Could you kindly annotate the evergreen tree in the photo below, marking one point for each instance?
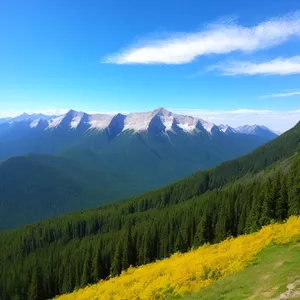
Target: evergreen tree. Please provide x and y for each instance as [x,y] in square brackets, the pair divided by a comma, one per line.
[294,201]
[146,247]
[67,285]
[254,217]
[282,202]
[268,211]
[87,267]
[36,288]
[221,228]
[116,266]
[204,230]
[128,255]
[98,269]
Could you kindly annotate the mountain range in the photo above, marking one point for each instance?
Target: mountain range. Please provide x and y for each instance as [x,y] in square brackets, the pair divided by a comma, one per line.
[53,165]
[38,133]
[157,121]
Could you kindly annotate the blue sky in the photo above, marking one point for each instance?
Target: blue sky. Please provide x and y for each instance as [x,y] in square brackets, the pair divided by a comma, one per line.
[226,61]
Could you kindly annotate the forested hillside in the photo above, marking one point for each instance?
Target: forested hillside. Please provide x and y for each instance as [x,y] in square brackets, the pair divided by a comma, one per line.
[210,265]
[36,187]
[54,256]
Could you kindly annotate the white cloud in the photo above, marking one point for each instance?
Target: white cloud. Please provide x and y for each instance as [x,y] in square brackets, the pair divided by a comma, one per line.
[274,119]
[282,95]
[278,66]
[216,38]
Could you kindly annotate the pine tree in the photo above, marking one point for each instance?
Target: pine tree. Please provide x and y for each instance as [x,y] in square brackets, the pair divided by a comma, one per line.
[146,253]
[294,201]
[282,202]
[221,228]
[86,274]
[36,288]
[254,216]
[67,284]
[204,230]
[268,211]
[98,268]
[128,255]
[116,266]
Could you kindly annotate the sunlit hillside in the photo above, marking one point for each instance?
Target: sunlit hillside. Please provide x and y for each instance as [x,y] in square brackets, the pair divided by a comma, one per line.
[185,273]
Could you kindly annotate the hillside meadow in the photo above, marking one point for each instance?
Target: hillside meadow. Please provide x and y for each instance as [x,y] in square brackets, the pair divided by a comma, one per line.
[182,274]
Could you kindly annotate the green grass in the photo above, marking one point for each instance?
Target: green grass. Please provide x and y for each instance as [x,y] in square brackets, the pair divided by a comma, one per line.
[266,278]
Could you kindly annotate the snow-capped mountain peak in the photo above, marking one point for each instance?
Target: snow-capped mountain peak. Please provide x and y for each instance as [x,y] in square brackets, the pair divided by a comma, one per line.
[227,129]
[259,130]
[73,119]
[157,121]
[70,120]
[99,121]
[164,121]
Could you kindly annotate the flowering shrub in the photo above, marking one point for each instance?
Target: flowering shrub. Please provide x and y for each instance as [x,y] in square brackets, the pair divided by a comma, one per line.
[189,272]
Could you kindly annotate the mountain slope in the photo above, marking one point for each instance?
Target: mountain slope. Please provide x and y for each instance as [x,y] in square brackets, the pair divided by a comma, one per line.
[206,207]
[36,187]
[22,182]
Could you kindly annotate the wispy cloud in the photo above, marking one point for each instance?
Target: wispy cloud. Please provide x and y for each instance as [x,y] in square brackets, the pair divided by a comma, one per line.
[216,38]
[274,119]
[282,95]
[278,66]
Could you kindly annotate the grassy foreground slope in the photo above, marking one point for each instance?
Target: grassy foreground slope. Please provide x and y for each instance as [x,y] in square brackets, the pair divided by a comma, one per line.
[266,278]
[182,274]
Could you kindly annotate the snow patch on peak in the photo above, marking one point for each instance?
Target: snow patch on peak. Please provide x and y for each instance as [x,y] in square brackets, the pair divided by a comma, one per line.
[55,122]
[138,121]
[166,117]
[226,128]
[141,121]
[76,120]
[167,121]
[99,121]
[207,126]
[35,123]
[186,123]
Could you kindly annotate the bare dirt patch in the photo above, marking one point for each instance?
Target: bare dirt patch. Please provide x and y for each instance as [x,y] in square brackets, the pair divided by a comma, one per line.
[292,291]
